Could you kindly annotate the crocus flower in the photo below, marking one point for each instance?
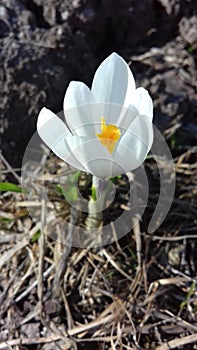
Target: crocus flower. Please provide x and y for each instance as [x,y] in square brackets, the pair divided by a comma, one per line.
[108,128]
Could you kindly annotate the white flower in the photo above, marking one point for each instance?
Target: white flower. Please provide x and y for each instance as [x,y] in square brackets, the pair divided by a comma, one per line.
[108,129]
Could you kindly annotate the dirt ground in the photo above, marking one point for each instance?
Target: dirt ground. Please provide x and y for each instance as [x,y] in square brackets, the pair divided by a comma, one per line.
[140,291]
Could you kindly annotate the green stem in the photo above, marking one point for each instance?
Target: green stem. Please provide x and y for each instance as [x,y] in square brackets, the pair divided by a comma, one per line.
[100,189]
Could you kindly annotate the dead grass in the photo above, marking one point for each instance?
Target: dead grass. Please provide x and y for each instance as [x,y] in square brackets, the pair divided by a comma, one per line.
[116,297]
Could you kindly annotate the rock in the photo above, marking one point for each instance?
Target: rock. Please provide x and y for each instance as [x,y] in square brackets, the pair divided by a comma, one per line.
[38,64]
[47,43]
[188,30]
[172,7]
[168,17]
[44,44]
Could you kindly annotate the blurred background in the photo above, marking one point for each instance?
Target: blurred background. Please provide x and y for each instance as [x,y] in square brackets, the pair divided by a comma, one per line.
[44,44]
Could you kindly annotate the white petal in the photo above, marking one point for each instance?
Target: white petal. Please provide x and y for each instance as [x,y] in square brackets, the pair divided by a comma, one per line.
[142,128]
[115,115]
[63,151]
[93,157]
[142,101]
[135,144]
[126,157]
[78,109]
[50,127]
[113,80]
[77,94]
[126,117]
[53,132]
[85,121]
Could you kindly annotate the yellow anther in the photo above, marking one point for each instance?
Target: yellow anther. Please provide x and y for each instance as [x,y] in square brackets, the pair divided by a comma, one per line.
[110,134]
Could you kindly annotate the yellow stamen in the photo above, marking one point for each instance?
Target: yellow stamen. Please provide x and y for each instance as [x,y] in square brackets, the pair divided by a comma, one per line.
[110,134]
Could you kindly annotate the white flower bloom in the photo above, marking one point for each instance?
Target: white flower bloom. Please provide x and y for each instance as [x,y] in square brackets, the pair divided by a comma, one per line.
[108,129]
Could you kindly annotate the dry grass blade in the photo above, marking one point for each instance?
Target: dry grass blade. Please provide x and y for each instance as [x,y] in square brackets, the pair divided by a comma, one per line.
[115,265]
[137,236]
[34,285]
[42,251]
[66,244]
[175,343]
[9,168]
[175,239]
[9,254]
[32,341]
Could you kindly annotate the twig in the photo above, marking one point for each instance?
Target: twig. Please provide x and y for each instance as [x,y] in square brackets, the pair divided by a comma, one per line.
[67,309]
[69,317]
[34,284]
[50,339]
[177,238]
[8,255]
[115,265]
[9,167]
[30,341]
[41,252]
[61,268]
[137,235]
[10,282]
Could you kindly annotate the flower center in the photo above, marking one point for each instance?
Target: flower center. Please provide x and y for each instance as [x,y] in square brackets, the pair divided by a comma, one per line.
[110,134]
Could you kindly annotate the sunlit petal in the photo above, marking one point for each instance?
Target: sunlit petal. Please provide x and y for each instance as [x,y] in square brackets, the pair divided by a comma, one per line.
[142,128]
[130,153]
[92,156]
[142,101]
[54,132]
[113,81]
[50,127]
[77,108]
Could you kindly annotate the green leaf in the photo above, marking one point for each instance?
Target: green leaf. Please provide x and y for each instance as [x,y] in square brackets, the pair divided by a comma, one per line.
[35,237]
[188,296]
[70,189]
[118,177]
[8,186]
[59,189]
